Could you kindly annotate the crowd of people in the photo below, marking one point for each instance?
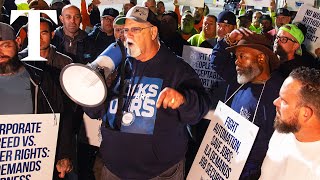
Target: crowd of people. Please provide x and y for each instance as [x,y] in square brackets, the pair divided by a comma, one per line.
[153,118]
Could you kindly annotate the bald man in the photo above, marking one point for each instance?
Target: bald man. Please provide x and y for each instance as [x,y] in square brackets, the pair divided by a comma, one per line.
[69,38]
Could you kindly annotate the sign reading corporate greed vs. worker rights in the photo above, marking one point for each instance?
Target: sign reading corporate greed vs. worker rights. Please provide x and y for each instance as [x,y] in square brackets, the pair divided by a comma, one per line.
[27,146]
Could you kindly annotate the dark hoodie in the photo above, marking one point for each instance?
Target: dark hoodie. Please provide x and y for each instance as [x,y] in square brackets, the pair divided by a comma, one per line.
[77,48]
[99,40]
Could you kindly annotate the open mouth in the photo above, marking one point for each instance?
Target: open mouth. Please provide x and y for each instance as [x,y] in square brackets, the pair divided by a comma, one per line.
[238,69]
[129,43]
[3,59]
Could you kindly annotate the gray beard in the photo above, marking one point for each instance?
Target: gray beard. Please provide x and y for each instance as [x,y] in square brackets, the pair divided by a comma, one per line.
[248,76]
[11,66]
[134,51]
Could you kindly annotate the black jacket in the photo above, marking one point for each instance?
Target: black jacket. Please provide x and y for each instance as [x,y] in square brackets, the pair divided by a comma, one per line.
[46,90]
[83,50]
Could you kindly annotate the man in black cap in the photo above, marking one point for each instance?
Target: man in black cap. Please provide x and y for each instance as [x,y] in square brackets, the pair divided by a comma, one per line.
[283,17]
[245,20]
[266,23]
[226,22]
[102,35]
[147,136]
[168,33]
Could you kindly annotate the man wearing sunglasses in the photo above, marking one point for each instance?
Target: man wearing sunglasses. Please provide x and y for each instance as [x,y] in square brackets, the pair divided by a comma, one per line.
[147,138]
[287,46]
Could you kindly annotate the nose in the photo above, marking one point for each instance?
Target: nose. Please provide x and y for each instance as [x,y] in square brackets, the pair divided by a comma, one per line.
[73,19]
[127,33]
[237,62]
[276,102]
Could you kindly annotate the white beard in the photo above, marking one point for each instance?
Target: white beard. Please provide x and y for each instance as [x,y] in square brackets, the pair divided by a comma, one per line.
[248,75]
[133,50]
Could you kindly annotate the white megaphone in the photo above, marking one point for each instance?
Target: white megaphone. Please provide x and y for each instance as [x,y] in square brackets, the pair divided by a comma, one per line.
[84,84]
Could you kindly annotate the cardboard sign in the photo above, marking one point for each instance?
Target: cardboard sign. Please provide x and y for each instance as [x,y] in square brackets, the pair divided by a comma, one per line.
[225,146]
[28,146]
[110,2]
[90,133]
[310,17]
[199,60]
[294,5]
[192,3]
[260,3]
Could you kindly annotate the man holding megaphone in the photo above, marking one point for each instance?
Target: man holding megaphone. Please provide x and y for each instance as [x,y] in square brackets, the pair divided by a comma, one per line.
[145,136]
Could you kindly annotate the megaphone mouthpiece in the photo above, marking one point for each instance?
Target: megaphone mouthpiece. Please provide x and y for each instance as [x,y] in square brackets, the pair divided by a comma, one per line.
[110,58]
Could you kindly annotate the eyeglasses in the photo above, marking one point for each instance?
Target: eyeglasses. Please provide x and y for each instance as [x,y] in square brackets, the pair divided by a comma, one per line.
[118,30]
[107,18]
[284,39]
[135,30]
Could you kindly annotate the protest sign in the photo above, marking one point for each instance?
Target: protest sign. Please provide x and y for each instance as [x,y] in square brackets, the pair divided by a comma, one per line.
[192,3]
[260,3]
[110,2]
[199,60]
[90,133]
[294,5]
[225,146]
[28,145]
[310,17]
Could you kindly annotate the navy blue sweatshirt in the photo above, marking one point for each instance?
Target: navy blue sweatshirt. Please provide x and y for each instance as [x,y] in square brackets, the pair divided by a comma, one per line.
[157,139]
[245,102]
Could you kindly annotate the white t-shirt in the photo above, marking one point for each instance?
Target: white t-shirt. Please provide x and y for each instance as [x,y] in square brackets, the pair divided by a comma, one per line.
[289,159]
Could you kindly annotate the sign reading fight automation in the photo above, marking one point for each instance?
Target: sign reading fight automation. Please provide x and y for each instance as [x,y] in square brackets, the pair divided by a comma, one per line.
[225,146]
[27,146]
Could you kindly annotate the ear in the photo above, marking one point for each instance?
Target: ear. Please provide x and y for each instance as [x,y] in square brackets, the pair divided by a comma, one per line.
[52,34]
[18,40]
[61,18]
[296,46]
[154,32]
[261,59]
[307,113]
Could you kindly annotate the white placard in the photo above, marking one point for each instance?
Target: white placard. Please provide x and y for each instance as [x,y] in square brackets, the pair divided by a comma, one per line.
[260,3]
[199,60]
[192,3]
[28,146]
[110,2]
[92,134]
[294,5]
[225,146]
[310,17]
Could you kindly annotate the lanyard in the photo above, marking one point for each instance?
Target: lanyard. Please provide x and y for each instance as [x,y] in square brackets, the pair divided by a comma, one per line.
[133,89]
[256,110]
